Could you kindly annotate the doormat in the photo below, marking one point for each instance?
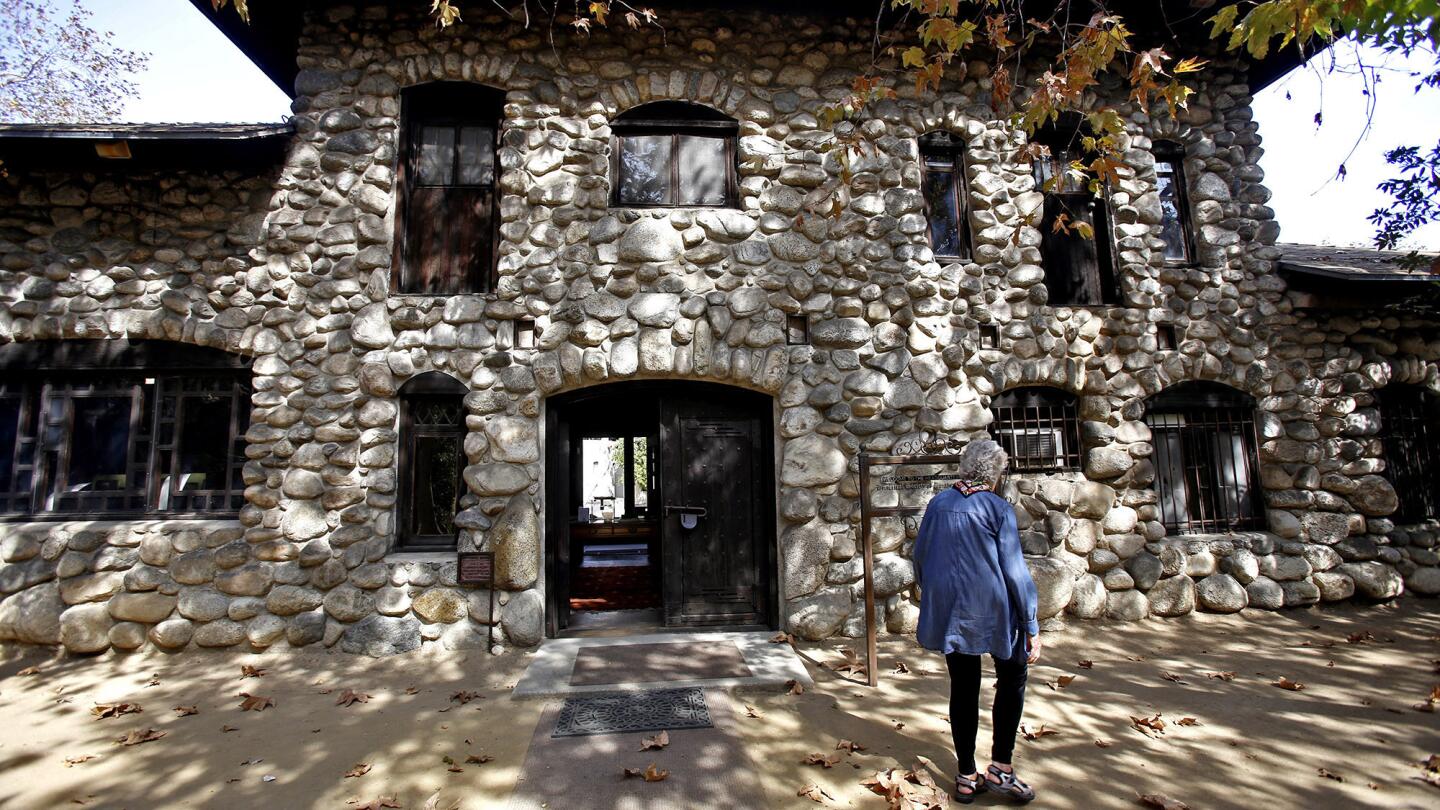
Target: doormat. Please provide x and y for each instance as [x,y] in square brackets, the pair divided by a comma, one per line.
[658,710]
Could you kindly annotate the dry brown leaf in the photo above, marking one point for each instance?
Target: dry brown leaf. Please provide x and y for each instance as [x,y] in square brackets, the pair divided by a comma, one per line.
[817,758]
[751,711]
[1085,663]
[137,737]
[849,745]
[899,726]
[1163,802]
[650,774]
[249,671]
[1328,774]
[794,687]
[104,710]
[1061,682]
[1035,734]
[478,759]
[375,804]
[1145,725]
[1187,721]
[73,761]
[853,663]
[1103,743]
[782,638]
[814,793]
[35,670]
[901,668]
[1172,677]
[255,703]
[465,696]
[350,697]
[912,789]
[1221,676]
[360,769]
[410,690]
[1359,638]
[1286,683]
[227,728]
[186,711]
[657,742]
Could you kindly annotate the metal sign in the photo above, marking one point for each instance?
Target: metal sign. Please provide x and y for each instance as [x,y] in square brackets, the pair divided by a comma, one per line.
[475,568]
[898,487]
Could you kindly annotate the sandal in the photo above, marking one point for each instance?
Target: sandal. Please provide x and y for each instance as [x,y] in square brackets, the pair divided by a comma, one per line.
[1006,784]
[971,783]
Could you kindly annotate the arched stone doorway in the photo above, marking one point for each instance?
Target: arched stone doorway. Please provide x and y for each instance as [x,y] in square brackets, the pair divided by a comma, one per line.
[660,507]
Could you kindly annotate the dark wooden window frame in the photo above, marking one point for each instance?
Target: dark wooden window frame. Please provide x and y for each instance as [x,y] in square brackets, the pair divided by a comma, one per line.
[429,386]
[675,127]
[49,378]
[953,148]
[1410,431]
[483,107]
[1197,415]
[1173,154]
[1038,409]
[1064,141]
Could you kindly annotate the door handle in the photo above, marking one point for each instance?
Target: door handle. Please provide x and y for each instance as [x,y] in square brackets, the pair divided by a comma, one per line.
[697,511]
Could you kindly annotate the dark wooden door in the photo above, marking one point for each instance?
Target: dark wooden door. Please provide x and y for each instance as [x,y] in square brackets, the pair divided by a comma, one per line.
[712,459]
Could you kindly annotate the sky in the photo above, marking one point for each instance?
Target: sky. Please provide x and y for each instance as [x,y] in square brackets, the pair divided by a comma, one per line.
[195,74]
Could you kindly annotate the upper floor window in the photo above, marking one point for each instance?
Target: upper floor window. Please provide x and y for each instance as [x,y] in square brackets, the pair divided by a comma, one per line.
[448,198]
[943,157]
[103,427]
[1039,427]
[432,460]
[1174,203]
[1410,418]
[1206,471]
[672,153]
[1076,242]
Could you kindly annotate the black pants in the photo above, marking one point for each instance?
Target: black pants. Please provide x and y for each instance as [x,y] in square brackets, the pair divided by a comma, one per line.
[965,706]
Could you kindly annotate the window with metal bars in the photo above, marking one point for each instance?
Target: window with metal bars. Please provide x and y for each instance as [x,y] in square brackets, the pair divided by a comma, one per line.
[1039,428]
[1206,472]
[97,428]
[1410,432]
[432,460]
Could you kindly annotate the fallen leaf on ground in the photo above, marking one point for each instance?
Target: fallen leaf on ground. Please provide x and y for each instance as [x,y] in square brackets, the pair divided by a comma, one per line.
[410,690]
[1103,743]
[1222,676]
[104,710]
[1085,663]
[849,745]
[465,696]
[1162,801]
[1061,682]
[1286,683]
[72,761]
[248,671]
[1359,638]
[814,793]
[912,789]
[817,758]
[782,638]
[478,759]
[1187,721]
[350,697]
[35,670]
[154,681]
[1172,677]
[852,664]
[899,726]
[901,668]
[1145,725]
[255,703]
[137,737]
[186,711]
[374,804]
[1329,774]
[433,803]
[650,774]
[751,711]
[226,729]
[794,687]
[360,769]
[1035,734]
[1134,658]
[657,742]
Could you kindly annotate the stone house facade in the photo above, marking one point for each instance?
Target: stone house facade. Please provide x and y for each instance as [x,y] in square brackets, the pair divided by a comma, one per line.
[1193,429]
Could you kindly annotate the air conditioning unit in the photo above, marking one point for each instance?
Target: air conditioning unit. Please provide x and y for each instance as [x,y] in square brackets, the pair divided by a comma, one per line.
[1034,447]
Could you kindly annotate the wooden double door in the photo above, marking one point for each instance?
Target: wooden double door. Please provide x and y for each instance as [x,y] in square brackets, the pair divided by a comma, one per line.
[711,498]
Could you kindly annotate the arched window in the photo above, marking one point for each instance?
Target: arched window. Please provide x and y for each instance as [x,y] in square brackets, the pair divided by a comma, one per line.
[1206,471]
[1174,202]
[1410,427]
[103,427]
[1075,230]
[1039,428]
[447,188]
[432,458]
[673,153]
[942,156]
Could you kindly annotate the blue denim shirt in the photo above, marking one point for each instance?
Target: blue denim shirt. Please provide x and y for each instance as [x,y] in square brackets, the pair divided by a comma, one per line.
[976,594]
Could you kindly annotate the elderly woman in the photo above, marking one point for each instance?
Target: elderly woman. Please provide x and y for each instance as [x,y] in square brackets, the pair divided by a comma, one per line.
[977,597]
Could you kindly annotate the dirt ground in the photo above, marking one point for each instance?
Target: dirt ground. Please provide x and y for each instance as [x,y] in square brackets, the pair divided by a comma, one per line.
[1252,744]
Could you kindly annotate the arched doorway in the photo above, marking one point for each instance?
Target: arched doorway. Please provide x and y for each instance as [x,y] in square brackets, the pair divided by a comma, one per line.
[660,507]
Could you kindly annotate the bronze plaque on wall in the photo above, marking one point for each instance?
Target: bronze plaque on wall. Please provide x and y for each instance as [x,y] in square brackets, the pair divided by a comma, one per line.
[475,568]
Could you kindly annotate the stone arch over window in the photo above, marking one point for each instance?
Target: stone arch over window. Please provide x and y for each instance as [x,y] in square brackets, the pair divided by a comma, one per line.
[673,154]
[1410,431]
[432,460]
[942,160]
[1207,474]
[108,427]
[1079,269]
[447,216]
[1039,427]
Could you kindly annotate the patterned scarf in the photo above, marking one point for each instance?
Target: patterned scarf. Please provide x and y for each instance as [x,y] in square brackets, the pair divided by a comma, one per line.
[968,488]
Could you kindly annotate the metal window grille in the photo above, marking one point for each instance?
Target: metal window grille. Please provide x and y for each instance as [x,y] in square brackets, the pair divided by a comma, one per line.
[1206,472]
[1039,428]
[1411,436]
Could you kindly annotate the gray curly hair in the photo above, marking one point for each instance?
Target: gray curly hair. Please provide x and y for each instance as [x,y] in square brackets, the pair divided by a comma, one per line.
[982,461]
